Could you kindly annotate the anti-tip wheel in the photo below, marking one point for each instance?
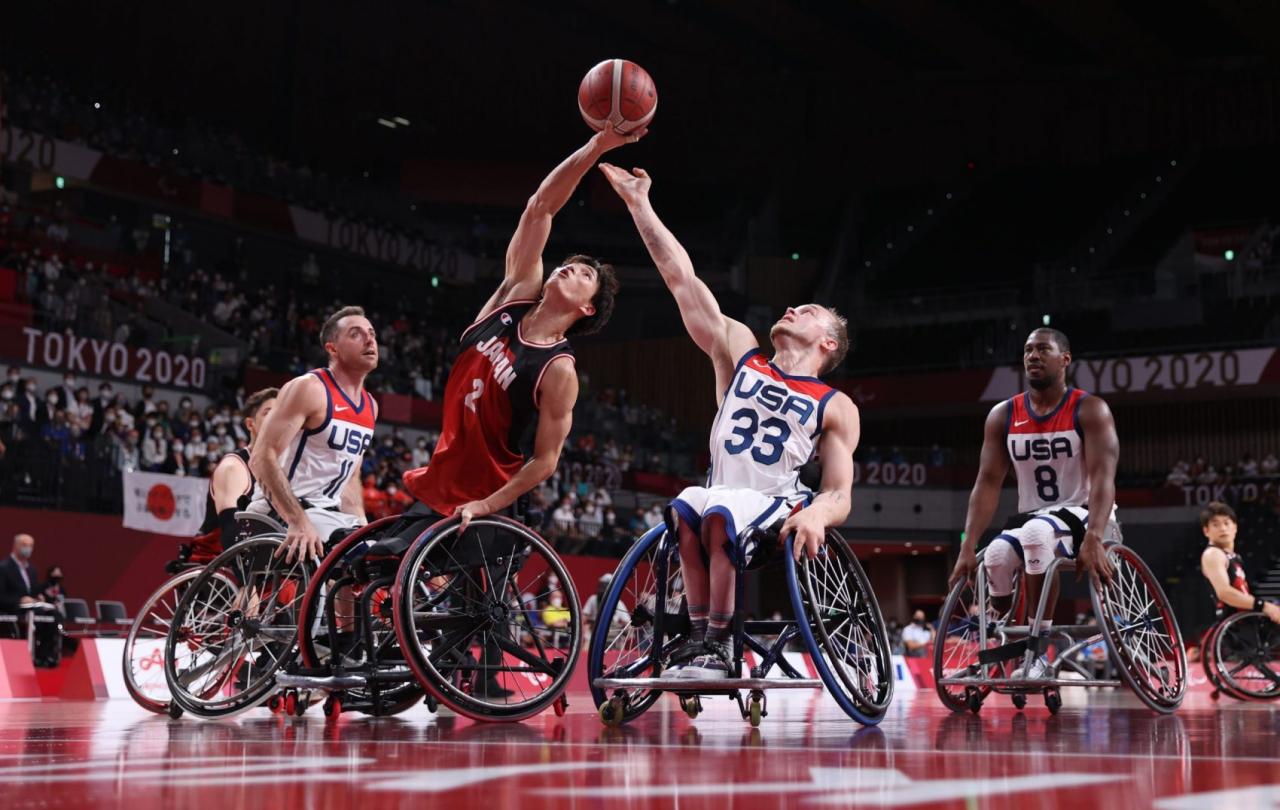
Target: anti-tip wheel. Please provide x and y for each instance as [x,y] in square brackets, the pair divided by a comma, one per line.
[974,700]
[1052,701]
[175,711]
[1019,701]
[756,712]
[612,712]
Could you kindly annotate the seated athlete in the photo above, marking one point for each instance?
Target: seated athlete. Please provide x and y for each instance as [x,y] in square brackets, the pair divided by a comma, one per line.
[1222,567]
[231,488]
[772,411]
[308,453]
[1063,447]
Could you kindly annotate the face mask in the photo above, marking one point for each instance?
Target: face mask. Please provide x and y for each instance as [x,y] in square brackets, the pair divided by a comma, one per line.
[69,382]
[31,387]
[52,398]
[25,553]
[222,431]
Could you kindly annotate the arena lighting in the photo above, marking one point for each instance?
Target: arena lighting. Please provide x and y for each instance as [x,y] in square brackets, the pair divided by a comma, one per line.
[60,182]
[404,122]
[1173,163]
[795,257]
[435,281]
[1045,319]
[175,150]
[97,105]
[1230,255]
[910,228]
[388,124]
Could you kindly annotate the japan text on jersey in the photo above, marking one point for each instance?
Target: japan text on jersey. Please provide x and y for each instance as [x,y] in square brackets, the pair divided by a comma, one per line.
[766,427]
[324,459]
[1047,452]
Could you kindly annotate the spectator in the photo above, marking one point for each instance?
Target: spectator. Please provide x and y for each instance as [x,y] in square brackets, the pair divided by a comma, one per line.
[20,593]
[654,516]
[1248,466]
[1178,475]
[1270,465]
[155,450]
[917,636]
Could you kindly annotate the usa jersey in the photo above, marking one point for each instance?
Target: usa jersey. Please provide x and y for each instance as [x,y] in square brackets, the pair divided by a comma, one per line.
[490,411]
[766,428]
[1048,453]
[321,462]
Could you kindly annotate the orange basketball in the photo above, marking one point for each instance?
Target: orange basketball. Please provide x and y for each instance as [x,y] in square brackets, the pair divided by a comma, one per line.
[617,92]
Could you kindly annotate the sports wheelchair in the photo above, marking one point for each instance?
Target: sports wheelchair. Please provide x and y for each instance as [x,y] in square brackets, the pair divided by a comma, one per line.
[1241,657]
[143,659]
[643,619]
[978,648]
[401,611]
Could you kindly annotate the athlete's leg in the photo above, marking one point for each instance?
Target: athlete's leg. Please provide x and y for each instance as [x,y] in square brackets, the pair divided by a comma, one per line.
[724,578]
[1002,559]
[697,584]
[1039,546]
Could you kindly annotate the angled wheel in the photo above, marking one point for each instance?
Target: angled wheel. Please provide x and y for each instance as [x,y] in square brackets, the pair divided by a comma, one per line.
[346,621]
[234,627]
[639,622]
[839,619]
[964,629]
[463,615]
[1141,632]
[1246,656]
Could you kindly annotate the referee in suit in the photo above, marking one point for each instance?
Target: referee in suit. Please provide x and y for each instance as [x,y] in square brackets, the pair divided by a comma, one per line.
[19,590]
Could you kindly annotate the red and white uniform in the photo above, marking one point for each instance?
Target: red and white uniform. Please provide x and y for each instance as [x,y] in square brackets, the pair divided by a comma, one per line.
[765,430]
[1236,575]
[490,411]
[321,462]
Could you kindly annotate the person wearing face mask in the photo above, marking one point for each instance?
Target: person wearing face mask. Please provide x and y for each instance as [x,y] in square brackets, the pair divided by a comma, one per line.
[917,636]
[226,442]
[29,402]
[67,393]
[20,593]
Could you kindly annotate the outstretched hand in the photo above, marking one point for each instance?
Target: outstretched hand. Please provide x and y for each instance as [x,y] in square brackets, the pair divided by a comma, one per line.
[610,138]
[632,186]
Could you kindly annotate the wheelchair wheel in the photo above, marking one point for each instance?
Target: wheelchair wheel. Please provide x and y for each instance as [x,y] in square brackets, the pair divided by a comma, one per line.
[1246,656]
[332,624]
[252,524]
[1211,670]
[234,627]
[959,640]
[839,619]
[143,659]
[463,608]
[638,624]
[1141,632]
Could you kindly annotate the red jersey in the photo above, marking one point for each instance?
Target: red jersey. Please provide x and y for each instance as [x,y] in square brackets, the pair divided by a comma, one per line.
[490,411]
[1235,573]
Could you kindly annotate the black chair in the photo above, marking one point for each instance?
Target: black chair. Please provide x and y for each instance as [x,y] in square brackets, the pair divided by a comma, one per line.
[9,627]
[79,622]
[112,618]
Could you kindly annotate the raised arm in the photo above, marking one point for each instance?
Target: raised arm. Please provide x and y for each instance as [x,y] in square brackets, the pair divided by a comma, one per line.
[523,278]
[723,339]
[301,404]
[841,430]
[556,396]
[985,497]
[1101,454]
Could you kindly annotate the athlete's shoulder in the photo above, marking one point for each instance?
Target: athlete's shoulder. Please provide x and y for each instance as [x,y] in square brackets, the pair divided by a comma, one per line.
[1213,554]
[1091,409]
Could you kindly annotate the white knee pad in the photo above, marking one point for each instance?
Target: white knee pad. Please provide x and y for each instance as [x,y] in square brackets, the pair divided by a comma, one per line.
[1001,562]
[1039,545]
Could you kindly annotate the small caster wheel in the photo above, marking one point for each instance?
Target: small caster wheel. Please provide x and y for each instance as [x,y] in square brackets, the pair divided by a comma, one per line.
[1052,702]
[290,703]
[1215,694]
[175,711]
[612,712]
[561,705]
[274,704]
[333,707]
[1019,701]
[430,702]
[974,700]
[692,705]
[301,702]
[756,712]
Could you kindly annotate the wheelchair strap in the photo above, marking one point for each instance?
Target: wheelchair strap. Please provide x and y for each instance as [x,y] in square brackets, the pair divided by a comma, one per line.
[1012,650]
[1075,524]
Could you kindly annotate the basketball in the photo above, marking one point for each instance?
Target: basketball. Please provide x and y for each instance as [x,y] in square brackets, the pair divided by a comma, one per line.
[617,92]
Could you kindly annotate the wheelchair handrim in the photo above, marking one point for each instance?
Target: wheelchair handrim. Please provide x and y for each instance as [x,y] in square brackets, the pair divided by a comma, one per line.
[1228,630]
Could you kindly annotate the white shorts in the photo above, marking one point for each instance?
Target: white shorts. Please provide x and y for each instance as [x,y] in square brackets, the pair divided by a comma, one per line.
[742,510]
[1033,545]
[327,523]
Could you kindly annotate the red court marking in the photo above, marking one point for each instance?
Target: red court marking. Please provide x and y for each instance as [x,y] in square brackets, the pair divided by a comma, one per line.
[1101,751]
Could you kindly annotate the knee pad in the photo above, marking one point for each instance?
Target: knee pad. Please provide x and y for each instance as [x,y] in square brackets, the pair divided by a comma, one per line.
[1039,544]
[1001,561]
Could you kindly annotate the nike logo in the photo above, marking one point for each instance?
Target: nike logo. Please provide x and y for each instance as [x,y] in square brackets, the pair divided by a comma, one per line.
[1020,424]
[340,408]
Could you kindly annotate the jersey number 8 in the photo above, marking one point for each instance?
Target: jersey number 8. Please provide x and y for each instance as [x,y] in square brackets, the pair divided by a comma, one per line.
[746,434]
[1047,483]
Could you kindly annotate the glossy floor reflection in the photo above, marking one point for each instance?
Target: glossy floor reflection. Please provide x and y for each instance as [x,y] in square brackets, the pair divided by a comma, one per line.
[1101,751]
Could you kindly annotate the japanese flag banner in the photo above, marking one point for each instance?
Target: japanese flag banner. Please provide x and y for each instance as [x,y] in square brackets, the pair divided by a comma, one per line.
[164,504]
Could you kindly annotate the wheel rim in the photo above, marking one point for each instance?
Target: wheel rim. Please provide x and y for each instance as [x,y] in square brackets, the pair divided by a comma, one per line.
[1141,631]
[238,622]
[959,638]
[625,650]
[470,603]
[144,646]
[846,617]
[1247,655]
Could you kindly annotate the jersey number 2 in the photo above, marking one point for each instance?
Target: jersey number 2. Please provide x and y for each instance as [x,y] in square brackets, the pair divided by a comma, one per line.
[746,434]
[477,388]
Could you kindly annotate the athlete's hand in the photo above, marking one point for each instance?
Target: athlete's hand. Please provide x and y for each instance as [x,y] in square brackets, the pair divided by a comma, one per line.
[1272,610]
[809,530]
[302,542]
[632,186]
[1092,560]
[470,511]
[610,138]
[966,565]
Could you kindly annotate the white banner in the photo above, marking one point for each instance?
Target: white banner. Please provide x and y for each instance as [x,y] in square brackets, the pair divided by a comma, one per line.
[164,504]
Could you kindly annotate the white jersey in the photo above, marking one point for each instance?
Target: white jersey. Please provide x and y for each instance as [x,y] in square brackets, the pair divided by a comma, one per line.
[766,428]
[320,462]
[1047,453]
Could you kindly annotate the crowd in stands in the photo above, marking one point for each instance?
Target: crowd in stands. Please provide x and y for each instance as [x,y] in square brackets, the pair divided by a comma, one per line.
[1201,472]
